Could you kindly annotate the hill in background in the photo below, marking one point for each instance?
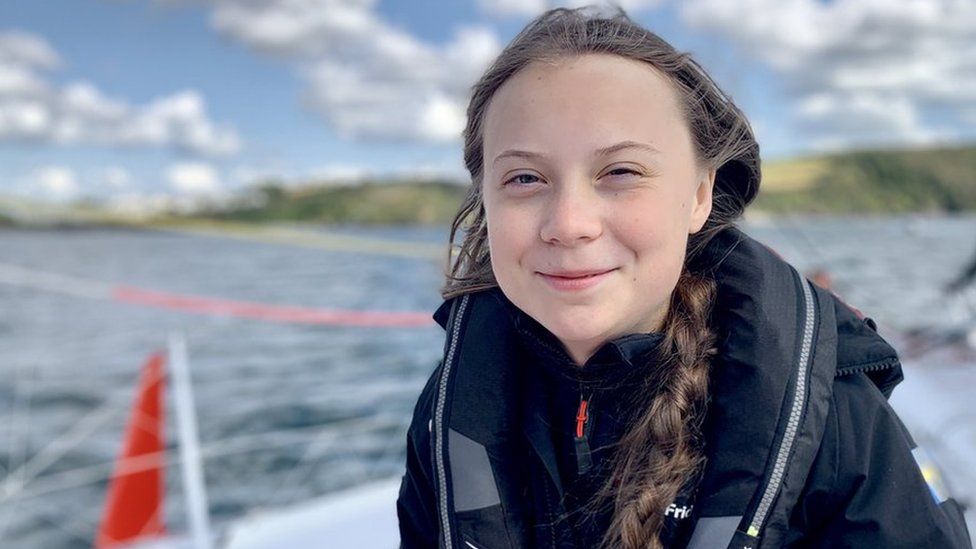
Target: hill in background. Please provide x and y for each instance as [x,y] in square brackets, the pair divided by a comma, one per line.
[882,181]
[371,202]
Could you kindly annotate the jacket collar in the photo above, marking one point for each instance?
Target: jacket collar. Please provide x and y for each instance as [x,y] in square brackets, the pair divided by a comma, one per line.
[613,361]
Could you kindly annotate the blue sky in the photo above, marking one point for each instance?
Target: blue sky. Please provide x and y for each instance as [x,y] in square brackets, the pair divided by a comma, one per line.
[136,101]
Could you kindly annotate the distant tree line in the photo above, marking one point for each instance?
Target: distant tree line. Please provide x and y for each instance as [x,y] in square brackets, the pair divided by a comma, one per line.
[884,181]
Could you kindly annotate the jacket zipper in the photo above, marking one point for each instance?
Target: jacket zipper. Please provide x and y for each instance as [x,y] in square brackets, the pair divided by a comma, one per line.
[439,433]
[584,459]
[865,368]
[793,422]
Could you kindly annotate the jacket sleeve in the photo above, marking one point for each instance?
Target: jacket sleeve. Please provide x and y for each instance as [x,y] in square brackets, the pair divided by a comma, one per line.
[416,504]
[866,488]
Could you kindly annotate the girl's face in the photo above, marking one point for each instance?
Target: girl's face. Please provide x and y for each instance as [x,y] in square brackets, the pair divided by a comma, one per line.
[591,189]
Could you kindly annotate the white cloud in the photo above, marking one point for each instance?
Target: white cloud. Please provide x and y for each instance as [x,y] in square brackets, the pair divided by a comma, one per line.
[193,178]
[25,49]
[638,5]
[181,119]
[19,80]
[366,77]
[629,6]
[297,27]
[55,183]
[353,173]
[520,8]
[85,100]
[60,182]
[837,120]
[32,108]
[859,71]
[441,118]
[532,8]
[24,118]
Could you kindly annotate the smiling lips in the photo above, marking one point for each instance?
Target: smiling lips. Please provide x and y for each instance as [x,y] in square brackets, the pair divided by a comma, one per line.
[569,281]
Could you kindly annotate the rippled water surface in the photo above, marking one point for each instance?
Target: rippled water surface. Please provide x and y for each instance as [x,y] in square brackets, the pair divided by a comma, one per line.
[290,411]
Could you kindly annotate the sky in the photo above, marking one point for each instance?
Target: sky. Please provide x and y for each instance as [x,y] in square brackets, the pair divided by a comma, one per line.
[134,102]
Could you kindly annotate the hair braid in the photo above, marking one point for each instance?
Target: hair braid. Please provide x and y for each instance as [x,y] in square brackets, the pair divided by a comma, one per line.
[663,449]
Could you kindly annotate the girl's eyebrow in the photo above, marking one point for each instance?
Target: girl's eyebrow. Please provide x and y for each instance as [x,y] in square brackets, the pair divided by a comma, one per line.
[605,151]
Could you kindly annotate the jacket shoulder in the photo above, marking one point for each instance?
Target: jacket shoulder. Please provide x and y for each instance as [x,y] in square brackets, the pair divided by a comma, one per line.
[865,488]
[862,350]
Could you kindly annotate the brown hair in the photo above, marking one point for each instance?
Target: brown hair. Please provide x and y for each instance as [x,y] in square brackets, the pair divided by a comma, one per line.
[662,450]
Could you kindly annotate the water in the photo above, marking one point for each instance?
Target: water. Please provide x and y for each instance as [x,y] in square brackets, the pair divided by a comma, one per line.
[286,411]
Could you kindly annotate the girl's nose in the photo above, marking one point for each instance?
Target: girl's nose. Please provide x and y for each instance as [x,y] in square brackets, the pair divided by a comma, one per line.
[572,215]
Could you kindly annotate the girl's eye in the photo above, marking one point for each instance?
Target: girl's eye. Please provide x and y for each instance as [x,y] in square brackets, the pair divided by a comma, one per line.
[522,179]
[526,179]
[622,171]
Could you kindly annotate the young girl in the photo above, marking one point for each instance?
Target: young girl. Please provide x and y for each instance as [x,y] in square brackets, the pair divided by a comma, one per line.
[622,365]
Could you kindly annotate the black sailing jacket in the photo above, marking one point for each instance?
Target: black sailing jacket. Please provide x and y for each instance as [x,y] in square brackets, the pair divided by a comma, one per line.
[802,447]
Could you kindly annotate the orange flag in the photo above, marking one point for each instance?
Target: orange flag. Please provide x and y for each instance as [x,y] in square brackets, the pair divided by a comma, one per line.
[134,503]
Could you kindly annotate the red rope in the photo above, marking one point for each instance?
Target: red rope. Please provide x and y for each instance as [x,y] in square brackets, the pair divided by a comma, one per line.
[266,312]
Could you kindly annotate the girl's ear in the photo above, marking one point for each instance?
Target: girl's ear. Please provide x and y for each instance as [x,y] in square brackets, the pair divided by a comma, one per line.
[702,201]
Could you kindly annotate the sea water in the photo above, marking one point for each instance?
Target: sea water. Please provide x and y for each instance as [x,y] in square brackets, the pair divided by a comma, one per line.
[289,411]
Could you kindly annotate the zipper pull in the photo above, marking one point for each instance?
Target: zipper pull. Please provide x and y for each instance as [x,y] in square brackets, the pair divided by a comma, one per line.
[584,460]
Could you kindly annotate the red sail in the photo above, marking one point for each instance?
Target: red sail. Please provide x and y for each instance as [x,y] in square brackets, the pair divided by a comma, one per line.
[134,504]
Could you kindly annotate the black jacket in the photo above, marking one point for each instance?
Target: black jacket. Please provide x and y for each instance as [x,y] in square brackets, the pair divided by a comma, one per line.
[802,448]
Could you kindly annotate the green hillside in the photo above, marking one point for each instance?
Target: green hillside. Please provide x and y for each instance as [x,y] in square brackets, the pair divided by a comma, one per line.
[369,203]
[883,181]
